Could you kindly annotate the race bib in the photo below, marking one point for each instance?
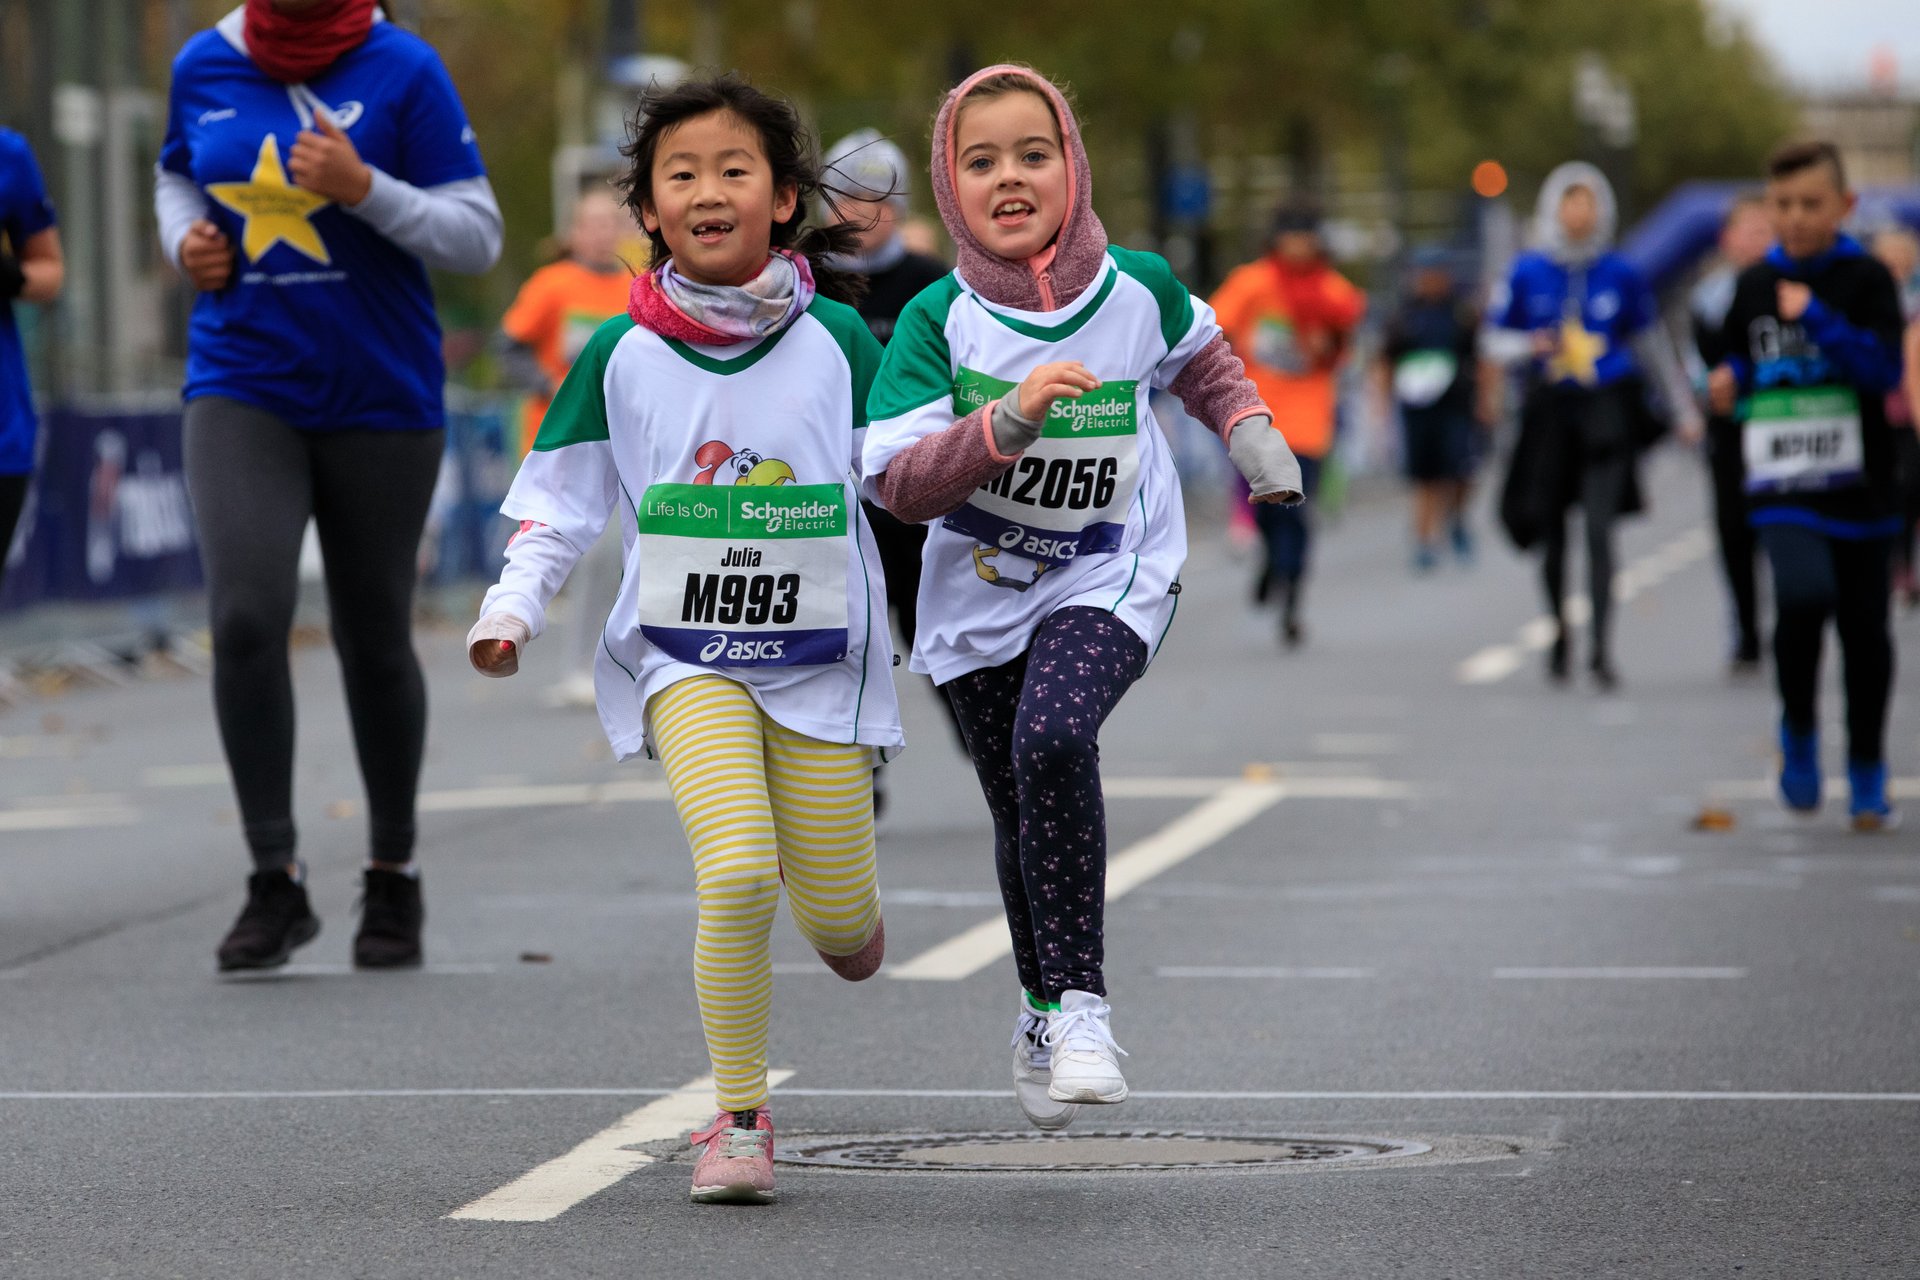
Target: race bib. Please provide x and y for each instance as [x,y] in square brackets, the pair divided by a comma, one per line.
[1422,377]
[1068,494]
[1800,440]
[1276,344]
[745,576]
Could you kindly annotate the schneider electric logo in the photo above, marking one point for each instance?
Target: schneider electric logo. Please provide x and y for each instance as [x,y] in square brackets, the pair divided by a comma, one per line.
[1093,410]
[810,516]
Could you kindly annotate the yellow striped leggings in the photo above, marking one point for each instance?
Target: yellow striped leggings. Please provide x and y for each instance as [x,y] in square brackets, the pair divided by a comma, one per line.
[761,804]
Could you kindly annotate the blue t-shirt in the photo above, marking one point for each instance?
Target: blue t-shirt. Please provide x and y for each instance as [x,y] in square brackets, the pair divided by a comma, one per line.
[1607,301]
[326,323]
[24,213]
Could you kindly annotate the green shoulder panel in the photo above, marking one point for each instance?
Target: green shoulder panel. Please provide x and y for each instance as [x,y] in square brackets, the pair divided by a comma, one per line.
[857,344]
[578,414]
[918,367]
[1152,271]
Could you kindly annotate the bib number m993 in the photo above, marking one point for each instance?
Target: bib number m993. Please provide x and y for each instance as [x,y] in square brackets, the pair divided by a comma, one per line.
[739,599]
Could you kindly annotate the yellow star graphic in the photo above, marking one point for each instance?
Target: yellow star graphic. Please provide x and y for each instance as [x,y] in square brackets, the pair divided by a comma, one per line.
[276,211]
[1580,351]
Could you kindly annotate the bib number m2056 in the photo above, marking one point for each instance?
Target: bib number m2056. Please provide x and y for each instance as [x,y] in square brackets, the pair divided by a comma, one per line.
[1800,440]
[745,576]
[1068,494]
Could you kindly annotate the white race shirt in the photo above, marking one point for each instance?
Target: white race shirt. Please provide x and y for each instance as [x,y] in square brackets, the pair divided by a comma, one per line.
[735,473]
[1091,514]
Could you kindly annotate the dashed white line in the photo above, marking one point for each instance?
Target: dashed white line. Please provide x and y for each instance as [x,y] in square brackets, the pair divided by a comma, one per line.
[1256,971]
[66,819]
[551,1189]
[1626,973]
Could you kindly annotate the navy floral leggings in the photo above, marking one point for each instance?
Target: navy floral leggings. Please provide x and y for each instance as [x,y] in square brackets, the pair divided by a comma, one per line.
[1032,728]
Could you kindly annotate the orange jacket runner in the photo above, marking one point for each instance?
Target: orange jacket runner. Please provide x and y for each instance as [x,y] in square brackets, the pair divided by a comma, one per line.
[557,310]
[1291,325]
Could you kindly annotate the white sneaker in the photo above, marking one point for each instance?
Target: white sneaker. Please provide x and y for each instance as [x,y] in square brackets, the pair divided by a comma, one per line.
[1033,1073]
[1085,1065]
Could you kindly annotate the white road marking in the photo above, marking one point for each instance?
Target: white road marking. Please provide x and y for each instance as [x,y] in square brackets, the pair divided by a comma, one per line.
[543,796]
[994,1095]
[1496,662]
[548,1191]
[348,971]
[66,819]
[1626,973]
[1255,971]
[1232,807]
[1358,744]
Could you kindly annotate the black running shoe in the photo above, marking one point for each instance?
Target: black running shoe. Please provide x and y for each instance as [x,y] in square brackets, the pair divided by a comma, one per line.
[276,919]
[390,917]
[1558,656]
[1605,678]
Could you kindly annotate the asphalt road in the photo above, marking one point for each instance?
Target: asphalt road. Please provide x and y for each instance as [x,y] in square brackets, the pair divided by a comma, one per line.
[1392,887]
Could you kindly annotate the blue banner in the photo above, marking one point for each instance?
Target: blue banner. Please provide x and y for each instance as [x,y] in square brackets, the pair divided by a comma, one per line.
[107,517]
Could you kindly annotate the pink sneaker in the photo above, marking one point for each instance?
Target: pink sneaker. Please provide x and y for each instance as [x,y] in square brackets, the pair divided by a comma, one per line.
[865,962]
[736,1166]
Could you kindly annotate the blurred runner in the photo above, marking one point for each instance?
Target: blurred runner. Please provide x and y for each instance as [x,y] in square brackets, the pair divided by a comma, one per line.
[1291,317]
[869,175]
[1745,237]
[1899,252]
[1594,327]
[561,305]
[329,147]
[31,270]
[1430,362]
[556,311]
[1813,341]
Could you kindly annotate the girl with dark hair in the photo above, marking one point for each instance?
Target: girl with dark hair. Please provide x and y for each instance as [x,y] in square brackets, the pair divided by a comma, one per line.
[317,163]
[723,419]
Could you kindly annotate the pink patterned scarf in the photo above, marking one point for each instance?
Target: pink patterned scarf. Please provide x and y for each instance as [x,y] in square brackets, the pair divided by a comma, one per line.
[673,306]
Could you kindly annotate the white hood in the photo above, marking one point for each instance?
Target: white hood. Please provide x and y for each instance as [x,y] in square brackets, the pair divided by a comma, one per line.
[1546,223]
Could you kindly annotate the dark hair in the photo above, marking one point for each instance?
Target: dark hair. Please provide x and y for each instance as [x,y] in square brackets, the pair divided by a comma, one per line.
[1792,157]
[790,154]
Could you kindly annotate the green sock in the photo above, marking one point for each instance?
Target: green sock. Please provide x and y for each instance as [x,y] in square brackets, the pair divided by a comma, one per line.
[1034,1003]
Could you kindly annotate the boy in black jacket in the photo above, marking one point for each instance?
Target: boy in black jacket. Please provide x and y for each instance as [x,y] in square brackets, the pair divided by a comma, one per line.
[1813,346]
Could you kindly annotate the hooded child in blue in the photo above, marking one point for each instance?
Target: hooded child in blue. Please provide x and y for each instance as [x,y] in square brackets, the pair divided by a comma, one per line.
[24,213]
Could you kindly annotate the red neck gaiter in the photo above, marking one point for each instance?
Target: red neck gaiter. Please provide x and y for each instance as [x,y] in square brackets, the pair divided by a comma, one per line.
[292,47]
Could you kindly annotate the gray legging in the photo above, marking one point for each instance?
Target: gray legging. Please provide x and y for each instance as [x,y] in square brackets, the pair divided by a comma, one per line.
[255,481]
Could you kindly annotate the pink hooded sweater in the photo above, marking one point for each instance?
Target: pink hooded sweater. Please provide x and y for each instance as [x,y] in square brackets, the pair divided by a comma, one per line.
[935,476]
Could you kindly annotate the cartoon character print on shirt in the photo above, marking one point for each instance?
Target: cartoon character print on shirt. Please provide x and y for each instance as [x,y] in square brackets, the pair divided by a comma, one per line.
[720,463]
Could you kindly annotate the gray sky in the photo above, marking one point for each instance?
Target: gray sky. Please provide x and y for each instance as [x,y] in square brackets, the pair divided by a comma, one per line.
[1828,42]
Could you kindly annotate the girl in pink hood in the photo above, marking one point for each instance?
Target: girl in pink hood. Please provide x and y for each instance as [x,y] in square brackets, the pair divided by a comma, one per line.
[1010,416]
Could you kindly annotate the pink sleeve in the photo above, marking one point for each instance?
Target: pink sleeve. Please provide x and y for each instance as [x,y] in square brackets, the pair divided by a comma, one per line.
[1215,388]
[935,476]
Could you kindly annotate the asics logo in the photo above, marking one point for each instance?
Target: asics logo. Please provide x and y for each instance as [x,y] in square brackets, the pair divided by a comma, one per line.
[713,648]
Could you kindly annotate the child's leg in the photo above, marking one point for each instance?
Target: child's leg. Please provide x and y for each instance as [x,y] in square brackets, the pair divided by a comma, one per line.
[1803,597]
[822,794]
[1862,573]
[985,703]
[708,734]
[1081,661]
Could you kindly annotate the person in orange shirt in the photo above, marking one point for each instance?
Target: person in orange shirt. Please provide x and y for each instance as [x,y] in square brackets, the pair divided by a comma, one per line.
[561,305]
[1291,317]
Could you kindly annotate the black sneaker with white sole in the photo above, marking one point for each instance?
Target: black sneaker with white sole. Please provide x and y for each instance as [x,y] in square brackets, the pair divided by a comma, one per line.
[391,914]
[276,919]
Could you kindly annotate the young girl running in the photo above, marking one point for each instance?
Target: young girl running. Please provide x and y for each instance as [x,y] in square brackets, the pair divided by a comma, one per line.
[723,419]
[1056,532]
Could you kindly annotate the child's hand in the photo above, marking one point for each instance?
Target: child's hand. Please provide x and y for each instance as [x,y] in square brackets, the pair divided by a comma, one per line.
[1793,298]
[494,644]
[1723,390]
[1063,378]
[1546,343]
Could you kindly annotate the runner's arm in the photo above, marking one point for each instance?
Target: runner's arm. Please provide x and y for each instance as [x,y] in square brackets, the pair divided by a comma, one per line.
[455,226]
[178,203]
[1867,354]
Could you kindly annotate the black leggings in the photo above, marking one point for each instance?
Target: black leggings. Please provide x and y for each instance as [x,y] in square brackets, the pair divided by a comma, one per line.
[1739,552]
[1815,578]
[13,497]
[1032,727]
[1599,462]
[255,481]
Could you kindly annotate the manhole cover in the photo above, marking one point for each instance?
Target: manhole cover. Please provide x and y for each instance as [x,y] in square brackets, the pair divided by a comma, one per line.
[986,1152]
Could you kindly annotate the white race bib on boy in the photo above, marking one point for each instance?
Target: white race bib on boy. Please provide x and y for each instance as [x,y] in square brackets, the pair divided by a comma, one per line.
[734,576]
[1803,439]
